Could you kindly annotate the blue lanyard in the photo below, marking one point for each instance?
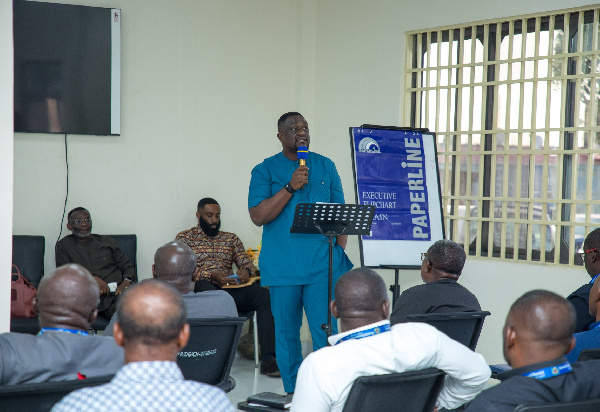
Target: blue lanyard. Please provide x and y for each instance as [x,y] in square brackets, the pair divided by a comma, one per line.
[594,279]
[366,333]
[550,371]
[73,331]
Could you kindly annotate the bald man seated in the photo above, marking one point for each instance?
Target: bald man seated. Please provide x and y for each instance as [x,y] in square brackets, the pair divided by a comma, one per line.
[368,346]
[175,264]
[152,330]
[442,265]
[537,334]
[66,303]
[590,339]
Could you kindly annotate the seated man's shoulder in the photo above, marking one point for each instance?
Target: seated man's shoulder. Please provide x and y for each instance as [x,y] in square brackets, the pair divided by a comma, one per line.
[17,339]
[186,233]
[414,291]
[228,235]
[210,303]
[581,292]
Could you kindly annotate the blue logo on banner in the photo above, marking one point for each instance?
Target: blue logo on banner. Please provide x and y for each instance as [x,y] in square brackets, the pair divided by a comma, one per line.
[390,174]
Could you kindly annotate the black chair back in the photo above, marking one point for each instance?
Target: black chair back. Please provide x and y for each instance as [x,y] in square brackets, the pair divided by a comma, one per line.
[210,351]
[589,354]
[128,244]
[40,397]
[581,406]
[463,327]
[28,255]
[414,391]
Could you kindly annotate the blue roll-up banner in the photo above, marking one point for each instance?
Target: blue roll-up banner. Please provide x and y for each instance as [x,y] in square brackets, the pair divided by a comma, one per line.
[396,171]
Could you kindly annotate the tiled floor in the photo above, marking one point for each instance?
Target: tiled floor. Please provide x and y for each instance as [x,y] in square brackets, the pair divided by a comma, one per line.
[249,381]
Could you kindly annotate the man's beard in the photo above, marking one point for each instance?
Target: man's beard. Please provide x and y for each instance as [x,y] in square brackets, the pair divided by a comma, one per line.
[206,228]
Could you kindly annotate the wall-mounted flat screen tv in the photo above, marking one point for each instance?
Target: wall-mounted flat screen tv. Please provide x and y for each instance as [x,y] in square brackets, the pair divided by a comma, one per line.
[67,68]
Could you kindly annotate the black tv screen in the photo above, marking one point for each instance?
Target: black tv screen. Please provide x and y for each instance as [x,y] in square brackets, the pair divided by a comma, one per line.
[67,68]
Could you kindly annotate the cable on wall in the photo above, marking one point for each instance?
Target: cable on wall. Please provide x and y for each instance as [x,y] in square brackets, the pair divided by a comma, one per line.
[67,194]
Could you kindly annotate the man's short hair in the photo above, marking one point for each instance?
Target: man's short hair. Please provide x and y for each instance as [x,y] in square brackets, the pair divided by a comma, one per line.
[548,316]
[206,201]
[284,117]
[447,256]
[77,209]
[147,326]
[592,240]
[360,290]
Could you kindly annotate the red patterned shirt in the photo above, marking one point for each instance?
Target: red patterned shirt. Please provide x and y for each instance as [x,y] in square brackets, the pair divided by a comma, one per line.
[216,253]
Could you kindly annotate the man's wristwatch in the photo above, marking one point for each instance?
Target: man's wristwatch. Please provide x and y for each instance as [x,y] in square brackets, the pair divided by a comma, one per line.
[128,279]
[289,188]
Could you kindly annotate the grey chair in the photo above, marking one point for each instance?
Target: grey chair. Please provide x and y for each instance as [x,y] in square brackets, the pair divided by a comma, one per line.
[463,327]
[414,391]
[581,406]
[128,245]
[589,354]
[28,256]
[40,397]
[209,353]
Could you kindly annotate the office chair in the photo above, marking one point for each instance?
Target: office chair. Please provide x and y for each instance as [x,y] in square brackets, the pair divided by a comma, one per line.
[463,327]
[589,354]
[40,397]
[413,391]
[128,245]
[252,316]
[581,406]
[210,351]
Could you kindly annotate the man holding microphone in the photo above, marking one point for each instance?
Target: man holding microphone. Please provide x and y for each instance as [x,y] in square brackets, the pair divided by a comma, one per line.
[294,265]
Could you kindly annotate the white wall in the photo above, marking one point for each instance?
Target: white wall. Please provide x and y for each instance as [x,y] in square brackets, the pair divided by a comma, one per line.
[6,160]
[203,84]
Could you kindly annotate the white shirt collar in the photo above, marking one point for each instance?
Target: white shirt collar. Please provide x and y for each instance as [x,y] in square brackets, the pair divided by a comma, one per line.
[335,338]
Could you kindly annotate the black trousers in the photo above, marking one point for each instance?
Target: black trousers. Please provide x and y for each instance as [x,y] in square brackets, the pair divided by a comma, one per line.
[251,298]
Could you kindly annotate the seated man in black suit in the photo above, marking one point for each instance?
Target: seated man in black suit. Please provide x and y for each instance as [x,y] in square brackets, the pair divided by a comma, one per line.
[579,298]
[66,303]
[100,255]
[537,334]
[441,267]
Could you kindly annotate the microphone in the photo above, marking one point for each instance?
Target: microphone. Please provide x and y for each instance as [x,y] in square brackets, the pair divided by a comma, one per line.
[302,155]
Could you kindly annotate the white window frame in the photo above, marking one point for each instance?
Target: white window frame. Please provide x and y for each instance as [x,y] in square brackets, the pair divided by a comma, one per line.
[497,97]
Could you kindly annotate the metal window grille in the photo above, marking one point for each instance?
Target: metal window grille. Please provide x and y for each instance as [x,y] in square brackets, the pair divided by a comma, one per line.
[515,106]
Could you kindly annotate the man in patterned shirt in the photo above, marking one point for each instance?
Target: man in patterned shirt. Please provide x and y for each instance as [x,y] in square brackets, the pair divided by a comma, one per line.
[217,251]
[152,329]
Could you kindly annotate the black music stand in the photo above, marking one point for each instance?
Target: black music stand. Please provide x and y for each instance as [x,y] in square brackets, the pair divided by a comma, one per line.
[331,220]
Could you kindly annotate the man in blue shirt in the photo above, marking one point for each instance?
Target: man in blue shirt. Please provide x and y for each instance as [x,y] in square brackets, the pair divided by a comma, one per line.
[295,265]
[591,337]
[579,298]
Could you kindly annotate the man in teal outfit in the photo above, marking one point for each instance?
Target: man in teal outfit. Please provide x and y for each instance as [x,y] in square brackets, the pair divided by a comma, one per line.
[295,265]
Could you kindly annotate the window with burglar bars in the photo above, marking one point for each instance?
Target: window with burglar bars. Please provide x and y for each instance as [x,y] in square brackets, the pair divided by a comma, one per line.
[515,106]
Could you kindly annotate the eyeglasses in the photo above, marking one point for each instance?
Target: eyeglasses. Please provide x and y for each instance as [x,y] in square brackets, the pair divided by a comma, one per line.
[423,257]
[87,220]
[582,254]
